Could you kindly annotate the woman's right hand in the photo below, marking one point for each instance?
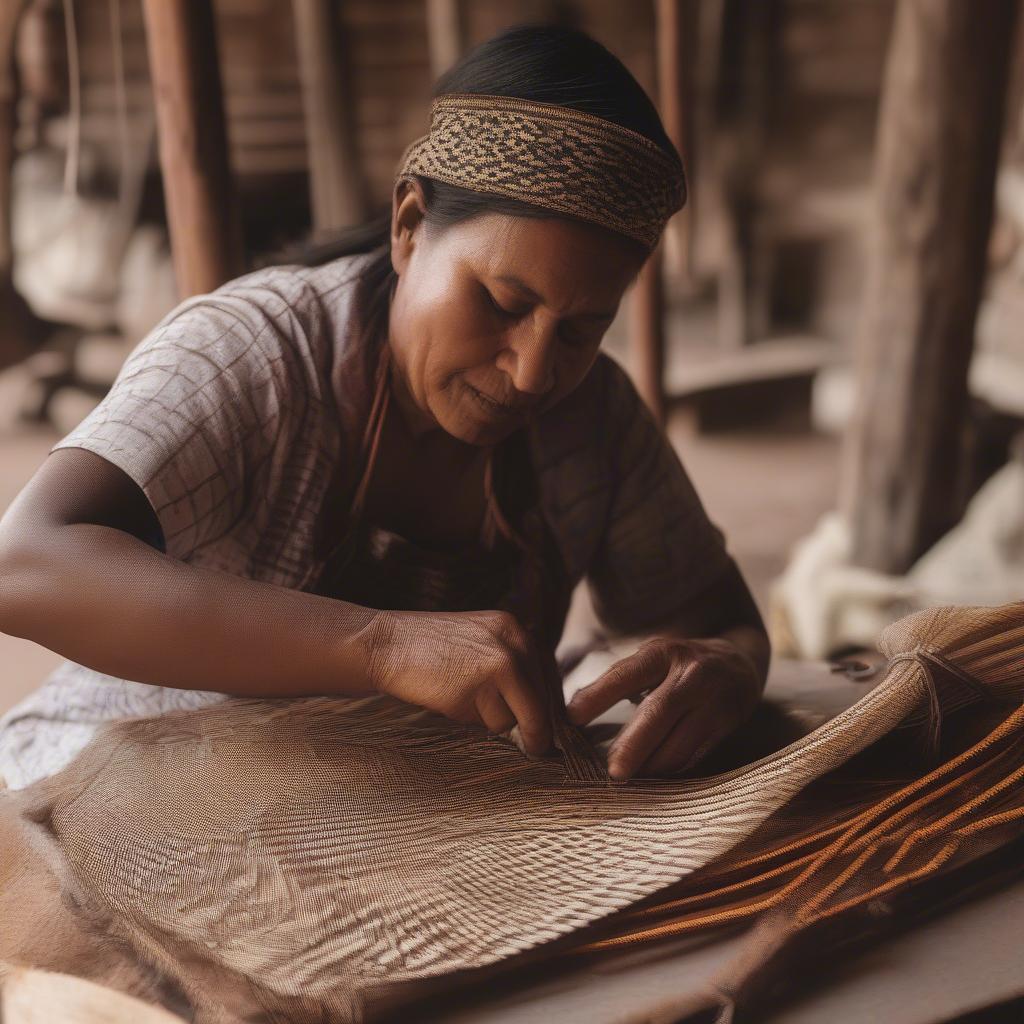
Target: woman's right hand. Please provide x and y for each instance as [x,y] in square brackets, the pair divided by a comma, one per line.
[479,667]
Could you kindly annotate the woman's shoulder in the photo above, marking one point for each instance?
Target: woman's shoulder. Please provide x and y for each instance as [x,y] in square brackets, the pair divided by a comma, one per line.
[299,283]
[287,323]
[285,293]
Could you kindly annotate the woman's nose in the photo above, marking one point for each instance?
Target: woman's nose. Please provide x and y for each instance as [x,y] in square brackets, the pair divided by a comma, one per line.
[533,369]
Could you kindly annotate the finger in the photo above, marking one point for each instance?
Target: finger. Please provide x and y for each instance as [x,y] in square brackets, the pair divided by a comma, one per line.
[527,691]
[629,676]
[656,717]
[693,736]
[494,712]
[530,714]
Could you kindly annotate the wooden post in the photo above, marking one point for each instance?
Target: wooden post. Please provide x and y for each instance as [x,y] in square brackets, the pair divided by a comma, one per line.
[202,211]
[749,27]
[10,17]
[647,335]
[337,186]
[705,202]
[647,303]
[672,24]
[15,318]
[445,34]
[938,148]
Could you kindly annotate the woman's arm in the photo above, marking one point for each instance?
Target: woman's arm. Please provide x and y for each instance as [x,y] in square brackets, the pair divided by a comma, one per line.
[702,673]
[76,577]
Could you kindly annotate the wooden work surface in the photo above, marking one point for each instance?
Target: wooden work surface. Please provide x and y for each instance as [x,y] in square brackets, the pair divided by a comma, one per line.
[955,964]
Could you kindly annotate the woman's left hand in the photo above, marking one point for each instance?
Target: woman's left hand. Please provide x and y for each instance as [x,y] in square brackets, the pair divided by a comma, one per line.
[700,690]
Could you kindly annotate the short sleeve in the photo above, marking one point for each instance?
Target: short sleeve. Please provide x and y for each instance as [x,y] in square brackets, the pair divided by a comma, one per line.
[659,548]
[190,417]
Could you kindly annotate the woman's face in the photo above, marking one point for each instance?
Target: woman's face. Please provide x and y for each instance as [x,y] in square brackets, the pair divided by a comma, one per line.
[497,318]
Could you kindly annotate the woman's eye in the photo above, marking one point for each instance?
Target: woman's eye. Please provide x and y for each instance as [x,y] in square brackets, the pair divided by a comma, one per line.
[501,310]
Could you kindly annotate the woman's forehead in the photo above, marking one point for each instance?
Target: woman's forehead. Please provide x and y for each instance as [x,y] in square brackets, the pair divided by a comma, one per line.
[554,260]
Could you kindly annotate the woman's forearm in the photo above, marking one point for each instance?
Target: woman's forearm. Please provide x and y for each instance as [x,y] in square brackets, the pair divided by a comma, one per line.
[752,641]
[107,600]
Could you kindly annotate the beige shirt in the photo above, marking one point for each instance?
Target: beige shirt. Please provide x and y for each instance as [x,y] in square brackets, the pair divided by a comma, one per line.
[230,416]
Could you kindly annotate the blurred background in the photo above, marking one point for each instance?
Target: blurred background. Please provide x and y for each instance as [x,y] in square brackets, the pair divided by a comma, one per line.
[829,331]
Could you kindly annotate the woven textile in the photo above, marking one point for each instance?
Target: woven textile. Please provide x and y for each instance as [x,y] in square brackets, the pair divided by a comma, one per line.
[294,856]
[561,159]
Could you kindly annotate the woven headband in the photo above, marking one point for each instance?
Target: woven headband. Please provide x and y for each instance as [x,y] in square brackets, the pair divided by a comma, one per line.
[550,156]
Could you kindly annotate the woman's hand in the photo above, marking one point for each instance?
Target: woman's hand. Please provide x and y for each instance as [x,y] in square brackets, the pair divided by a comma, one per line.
[700,691]
[477,667]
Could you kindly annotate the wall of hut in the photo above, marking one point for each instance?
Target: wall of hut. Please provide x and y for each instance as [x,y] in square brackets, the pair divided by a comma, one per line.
[781,124]
[803,80]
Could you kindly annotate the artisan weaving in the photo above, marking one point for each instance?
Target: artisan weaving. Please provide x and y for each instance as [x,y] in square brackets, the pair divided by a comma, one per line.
[561,159]
[271,369]
[298,858]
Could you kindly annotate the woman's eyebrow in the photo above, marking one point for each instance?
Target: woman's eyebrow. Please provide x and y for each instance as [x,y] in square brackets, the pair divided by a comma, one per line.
[522,286]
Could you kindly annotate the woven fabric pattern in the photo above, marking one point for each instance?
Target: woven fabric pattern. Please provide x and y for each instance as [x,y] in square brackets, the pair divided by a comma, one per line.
[305,852]
[302,858]
[551,156]
[875,847]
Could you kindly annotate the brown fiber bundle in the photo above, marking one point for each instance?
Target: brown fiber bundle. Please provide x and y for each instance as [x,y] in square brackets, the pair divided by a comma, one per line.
[294,857]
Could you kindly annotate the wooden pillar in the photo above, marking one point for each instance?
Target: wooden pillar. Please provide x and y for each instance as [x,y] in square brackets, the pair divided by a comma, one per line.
[202,210]
[445,34]
[938,146]
[705,202]
[337,186]
[673,22]
[647,301]
[749,30]
[10,16]
[14,315]
[647,335]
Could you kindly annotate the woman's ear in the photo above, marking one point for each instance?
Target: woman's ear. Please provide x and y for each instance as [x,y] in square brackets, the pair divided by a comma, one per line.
[408,208]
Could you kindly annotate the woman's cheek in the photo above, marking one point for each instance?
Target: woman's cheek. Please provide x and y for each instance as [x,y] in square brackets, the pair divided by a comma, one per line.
[573,366]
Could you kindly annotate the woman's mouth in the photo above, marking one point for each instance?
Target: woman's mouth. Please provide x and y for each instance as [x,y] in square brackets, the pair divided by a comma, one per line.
[489,405]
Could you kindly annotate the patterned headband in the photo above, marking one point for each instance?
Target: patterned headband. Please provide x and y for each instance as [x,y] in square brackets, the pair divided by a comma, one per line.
[550,156]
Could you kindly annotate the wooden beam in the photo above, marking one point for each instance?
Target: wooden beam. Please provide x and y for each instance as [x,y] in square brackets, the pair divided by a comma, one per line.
[749,29]
[10,17]
[706,200]
[445,34]
[673,22]
[939,138]
[15,318]
[647,335]
[337,185]
[202,210]
[647,302]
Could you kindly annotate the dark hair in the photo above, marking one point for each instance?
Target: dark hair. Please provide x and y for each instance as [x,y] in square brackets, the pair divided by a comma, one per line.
[549,64]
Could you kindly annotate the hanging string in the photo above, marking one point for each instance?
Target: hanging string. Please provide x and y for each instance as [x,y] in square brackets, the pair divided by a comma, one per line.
[74,142]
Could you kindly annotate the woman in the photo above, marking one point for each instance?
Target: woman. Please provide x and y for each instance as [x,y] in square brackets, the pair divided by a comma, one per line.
[387,472]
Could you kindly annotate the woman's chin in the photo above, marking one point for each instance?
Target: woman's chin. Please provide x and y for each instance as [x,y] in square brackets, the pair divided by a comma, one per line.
[475,426]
